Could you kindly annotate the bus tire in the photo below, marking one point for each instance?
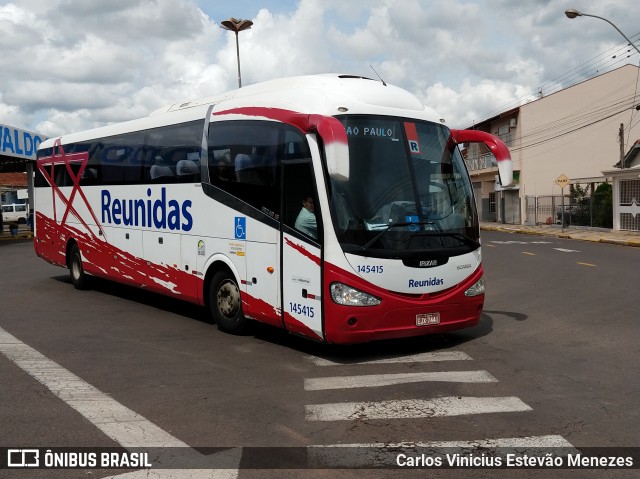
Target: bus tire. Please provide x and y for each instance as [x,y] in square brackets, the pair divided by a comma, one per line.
[225,303]
[79,278]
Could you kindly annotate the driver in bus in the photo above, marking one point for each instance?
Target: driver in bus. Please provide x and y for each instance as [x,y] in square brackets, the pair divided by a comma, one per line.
[306,221]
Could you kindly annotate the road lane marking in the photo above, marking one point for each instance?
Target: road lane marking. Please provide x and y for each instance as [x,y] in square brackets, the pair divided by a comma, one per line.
[521,242]
[377,380]
[121,424]
[414,408]
[567,250]
[413,358]
[527,253]
[587,264]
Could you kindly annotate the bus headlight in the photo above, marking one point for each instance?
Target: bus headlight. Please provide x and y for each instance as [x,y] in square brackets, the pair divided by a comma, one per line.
[476,289]
[348,296]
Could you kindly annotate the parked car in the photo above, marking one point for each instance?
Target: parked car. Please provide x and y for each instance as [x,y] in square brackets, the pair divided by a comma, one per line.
[16,212]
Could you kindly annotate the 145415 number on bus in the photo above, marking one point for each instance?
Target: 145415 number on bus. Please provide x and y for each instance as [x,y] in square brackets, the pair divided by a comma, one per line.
[302,309]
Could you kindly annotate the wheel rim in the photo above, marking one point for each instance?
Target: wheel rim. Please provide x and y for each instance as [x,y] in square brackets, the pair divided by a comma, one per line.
[228,299]
[75,267]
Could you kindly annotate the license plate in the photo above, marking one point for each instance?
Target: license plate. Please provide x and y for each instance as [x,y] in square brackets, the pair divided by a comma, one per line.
[427,319]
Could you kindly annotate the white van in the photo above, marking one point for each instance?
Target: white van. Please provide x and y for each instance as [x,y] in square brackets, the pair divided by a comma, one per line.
[16,212]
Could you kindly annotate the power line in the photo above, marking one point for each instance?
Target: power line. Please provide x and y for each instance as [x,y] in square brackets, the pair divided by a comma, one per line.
[586,114]
[567,132]
[602,62]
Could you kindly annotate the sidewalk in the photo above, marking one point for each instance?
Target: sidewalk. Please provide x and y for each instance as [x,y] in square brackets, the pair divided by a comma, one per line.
[625,238]
[24,233]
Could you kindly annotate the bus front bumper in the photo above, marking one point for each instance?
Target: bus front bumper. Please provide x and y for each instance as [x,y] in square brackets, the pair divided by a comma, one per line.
[398,315]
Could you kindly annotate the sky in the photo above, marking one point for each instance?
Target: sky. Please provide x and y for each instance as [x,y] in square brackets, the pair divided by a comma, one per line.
[70,65]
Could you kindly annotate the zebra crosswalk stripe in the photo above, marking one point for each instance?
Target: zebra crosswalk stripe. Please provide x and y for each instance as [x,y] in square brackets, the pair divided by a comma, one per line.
[414,408]
[377,380]
[384,455]
[413,358]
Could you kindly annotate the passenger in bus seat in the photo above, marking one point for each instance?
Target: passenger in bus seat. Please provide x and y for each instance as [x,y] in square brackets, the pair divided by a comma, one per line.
[224,172]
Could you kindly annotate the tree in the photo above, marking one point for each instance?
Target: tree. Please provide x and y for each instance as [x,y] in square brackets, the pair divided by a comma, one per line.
[603,206]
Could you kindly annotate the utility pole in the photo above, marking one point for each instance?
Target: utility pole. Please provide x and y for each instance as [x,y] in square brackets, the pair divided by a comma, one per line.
[621,140]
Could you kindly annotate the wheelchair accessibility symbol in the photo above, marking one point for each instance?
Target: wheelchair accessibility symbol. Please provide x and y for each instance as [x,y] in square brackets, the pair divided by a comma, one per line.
[412,219]
[241,227]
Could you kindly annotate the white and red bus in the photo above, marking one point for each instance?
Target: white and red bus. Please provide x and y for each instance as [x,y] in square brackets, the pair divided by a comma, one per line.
[200,201]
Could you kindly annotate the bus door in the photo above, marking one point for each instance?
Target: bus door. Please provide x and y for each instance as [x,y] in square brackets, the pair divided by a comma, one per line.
[301,250]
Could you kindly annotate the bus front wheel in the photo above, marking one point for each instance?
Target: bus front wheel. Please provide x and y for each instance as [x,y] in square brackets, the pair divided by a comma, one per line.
[78,276]
[226,304]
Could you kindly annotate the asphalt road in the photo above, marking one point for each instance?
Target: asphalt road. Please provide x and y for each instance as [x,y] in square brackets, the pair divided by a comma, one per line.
[557,355]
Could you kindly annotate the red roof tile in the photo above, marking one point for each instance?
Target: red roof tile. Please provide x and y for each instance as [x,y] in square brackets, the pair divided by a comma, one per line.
[13,179]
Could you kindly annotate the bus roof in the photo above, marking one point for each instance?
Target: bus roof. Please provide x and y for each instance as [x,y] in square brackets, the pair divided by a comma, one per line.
[323,94]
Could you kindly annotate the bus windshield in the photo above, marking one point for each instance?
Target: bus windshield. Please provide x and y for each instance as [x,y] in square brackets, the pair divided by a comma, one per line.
[408,191]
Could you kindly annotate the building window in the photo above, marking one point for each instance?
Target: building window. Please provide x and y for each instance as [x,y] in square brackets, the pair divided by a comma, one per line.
[492,202]
[504,132]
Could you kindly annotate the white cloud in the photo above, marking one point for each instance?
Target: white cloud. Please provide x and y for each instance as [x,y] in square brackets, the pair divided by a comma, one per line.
[70,64]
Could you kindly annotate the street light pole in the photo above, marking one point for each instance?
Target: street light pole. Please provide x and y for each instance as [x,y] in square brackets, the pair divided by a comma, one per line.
[573,13]
[237,26]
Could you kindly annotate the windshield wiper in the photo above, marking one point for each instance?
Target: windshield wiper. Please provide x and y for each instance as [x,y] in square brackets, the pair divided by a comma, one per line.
[366,246]
[468,240]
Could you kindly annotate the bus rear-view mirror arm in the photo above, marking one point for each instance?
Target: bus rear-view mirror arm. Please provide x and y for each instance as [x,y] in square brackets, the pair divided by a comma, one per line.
[495,145]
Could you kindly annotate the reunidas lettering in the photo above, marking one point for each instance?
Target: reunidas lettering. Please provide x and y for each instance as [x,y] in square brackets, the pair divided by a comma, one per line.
[147,212]
[420,283]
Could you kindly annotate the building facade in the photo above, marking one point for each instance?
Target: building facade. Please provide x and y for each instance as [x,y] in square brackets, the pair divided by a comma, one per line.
[18,149]
[626,190]
[577,132]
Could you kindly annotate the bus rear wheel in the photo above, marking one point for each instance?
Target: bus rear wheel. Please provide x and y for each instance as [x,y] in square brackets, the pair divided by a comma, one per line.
[79,278]
[225,303]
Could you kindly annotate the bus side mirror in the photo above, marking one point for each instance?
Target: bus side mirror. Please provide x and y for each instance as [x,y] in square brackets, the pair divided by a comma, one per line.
[336,145]
[495,145]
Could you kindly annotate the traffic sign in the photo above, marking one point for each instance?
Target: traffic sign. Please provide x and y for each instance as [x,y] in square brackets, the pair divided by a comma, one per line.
[562,181]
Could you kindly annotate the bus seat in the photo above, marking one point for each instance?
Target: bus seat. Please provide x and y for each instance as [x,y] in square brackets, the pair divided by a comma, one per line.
[244,167]
[159,173]
[248,172]
[187,170]
[187,167]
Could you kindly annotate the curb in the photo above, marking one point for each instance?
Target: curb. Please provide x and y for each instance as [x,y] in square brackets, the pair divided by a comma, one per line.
[635,244]
[574,236]
[19,236]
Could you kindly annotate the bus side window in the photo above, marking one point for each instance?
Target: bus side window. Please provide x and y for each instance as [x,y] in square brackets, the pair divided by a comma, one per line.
[296,146]
[171,147]
[244,158]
